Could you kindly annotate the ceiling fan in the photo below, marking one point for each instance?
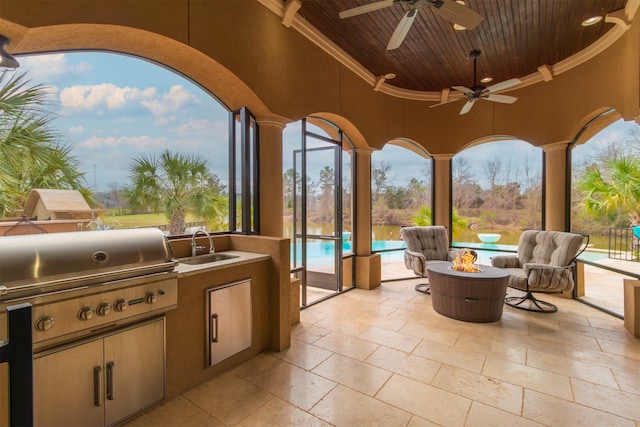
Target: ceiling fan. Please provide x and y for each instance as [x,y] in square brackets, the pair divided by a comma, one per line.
[448,9]
[477,92]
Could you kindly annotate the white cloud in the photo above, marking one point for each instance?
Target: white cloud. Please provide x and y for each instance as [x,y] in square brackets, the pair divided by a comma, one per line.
[51,67]
[194,125]
[177,97]
[88,97]
[76,130]
[124,142]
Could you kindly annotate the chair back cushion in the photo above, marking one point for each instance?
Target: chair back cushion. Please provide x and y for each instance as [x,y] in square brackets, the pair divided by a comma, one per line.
[431,241]
[548,247]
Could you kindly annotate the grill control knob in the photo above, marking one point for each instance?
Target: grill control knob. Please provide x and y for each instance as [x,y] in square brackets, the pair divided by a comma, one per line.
[150,297]
[120,305]
[103,309]
[44,323]
[85,313]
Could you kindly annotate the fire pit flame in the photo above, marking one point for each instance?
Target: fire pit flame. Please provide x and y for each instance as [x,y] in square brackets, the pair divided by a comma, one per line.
[464,261]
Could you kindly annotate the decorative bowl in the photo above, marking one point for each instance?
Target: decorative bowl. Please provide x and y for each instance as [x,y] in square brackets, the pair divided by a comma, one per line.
[489,238]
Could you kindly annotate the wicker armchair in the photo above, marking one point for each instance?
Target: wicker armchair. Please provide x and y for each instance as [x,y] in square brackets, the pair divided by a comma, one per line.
[545,263]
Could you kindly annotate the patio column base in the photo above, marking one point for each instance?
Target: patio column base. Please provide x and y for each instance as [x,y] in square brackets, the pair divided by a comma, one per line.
[632,307]
[368,271]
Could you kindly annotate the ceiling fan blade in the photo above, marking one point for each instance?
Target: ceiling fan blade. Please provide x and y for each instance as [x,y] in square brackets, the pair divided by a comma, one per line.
[365,8]
[443,103]
[503,85]
[402,29]
[462,89]
[457,13]
[504,99]
[466,107]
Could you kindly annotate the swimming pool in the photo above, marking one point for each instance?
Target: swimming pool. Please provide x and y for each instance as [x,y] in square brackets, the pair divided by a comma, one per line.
[319,252]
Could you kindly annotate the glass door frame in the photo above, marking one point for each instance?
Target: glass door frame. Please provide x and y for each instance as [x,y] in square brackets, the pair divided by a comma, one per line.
[300,236]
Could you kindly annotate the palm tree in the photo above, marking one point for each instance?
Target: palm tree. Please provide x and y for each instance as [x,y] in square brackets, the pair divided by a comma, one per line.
[178,183]
[31,155]
[613,187]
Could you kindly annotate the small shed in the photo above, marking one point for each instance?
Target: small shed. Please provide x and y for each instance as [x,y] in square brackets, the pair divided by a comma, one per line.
[46,204]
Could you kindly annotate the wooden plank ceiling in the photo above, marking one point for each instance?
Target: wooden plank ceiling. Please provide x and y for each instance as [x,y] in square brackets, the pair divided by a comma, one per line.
[515,37]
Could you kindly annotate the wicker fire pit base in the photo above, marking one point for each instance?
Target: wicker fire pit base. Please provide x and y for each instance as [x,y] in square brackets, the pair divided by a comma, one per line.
[472,297]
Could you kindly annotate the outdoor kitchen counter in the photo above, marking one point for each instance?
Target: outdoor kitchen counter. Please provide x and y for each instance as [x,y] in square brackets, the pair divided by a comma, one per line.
[240,258]
[262,260]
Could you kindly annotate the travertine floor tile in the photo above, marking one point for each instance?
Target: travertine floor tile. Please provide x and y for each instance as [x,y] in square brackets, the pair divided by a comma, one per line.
[572,368]
[482,415]
[450,355]
[553,411]
[430,403]
[628,381]
[304,355]
[294,385]
[278,413]
[409,365]
[347,345]
[348,408]
[385,357]
[399,341]
[178,412]
[607,399]
[308,333]
[228,398]
[353,373]
[528,377]
[431,333]
[492,348]
[480,388]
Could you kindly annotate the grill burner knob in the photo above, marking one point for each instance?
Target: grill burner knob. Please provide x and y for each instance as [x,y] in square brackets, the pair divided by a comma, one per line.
[120,305]
[150,297]
[103,309]
[85,313]
[44,323]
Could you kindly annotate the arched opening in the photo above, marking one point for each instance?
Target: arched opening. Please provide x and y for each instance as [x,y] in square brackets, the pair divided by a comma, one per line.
[496,193]
[120,120]
[605,204]
[319,187]
[401,194]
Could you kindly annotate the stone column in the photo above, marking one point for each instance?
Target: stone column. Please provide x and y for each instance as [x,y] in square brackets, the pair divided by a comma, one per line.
[555,185]
[442,190]
[271,185]
[368,265]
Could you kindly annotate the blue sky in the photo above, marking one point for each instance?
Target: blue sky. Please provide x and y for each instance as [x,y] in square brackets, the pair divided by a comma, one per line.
[112,107]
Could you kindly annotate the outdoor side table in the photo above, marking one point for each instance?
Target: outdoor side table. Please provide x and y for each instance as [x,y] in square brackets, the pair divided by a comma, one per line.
[472,297]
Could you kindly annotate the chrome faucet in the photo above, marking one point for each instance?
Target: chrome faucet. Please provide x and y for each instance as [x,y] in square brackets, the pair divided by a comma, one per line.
[195,248]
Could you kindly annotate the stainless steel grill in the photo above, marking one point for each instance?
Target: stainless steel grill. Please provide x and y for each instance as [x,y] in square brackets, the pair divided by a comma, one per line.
[82,282]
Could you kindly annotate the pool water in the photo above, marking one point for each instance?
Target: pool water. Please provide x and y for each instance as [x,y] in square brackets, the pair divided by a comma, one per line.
[318,252]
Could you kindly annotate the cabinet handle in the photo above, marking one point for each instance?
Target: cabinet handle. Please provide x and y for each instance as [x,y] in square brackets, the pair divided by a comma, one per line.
[110,390]
[97,385]
[213,328]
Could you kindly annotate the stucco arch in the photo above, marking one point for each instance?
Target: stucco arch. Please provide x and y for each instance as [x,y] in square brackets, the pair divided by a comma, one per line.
[410,145]
[594,123]
[354,134]
[165,51]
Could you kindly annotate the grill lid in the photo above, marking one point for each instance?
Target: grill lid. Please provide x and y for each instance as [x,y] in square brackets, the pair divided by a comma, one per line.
[81,258]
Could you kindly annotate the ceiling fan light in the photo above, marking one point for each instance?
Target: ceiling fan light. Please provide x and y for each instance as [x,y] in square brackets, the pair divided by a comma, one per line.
[6,59]
[486,79]
[591,21]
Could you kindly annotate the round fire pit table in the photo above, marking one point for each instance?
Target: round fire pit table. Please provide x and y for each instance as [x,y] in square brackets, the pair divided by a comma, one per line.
[472,297]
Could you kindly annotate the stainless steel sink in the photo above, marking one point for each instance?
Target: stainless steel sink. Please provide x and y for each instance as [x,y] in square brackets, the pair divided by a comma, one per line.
[205,259]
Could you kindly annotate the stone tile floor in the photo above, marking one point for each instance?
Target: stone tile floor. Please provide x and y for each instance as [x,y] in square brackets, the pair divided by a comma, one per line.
[385,358]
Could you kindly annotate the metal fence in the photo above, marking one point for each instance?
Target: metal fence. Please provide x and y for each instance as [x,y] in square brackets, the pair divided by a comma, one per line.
[623,244]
